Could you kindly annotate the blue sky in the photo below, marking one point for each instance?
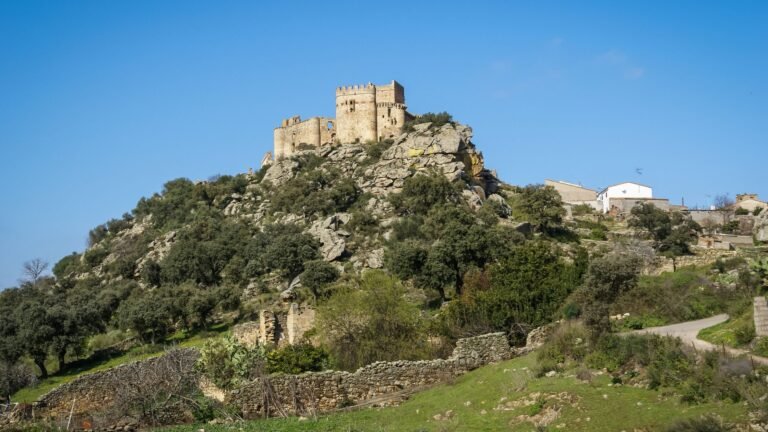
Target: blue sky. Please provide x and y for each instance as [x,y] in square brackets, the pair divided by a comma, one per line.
[102,102]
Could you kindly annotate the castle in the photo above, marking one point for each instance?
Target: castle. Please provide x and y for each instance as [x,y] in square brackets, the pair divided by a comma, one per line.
[363,113]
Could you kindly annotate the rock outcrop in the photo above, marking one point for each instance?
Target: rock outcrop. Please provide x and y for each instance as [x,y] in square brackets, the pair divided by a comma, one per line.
[760,229]
[447,149]
[331,236]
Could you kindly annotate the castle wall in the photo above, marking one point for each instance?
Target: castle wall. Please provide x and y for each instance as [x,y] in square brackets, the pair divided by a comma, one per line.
[294,132]
[356,113]
[363,113]
[390,118]
[390,93]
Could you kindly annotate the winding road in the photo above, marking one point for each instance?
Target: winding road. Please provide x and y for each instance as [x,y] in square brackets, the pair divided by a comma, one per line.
[688,332]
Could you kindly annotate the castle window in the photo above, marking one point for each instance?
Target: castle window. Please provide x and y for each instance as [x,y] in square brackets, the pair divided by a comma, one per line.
[329,125]
[389,112]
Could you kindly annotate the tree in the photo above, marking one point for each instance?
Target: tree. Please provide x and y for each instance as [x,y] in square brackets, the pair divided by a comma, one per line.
[672,233]
[374,322]
[454,242]
[422,192]
[317,274]
[34,269]
[722,201]
[540,205]
[607,278]
[526,290]
[35,332]
[148,313]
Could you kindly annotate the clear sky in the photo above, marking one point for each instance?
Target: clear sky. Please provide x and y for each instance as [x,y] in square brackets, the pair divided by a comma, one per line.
[102,102]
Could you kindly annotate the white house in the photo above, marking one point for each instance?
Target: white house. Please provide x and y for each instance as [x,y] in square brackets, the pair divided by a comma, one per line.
[621,191]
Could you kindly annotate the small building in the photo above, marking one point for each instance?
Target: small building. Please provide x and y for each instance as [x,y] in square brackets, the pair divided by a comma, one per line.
[574,194]
[634,192]
[625,205]
[749,202]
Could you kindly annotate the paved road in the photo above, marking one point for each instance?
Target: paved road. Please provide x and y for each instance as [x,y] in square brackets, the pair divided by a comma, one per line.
[688,331]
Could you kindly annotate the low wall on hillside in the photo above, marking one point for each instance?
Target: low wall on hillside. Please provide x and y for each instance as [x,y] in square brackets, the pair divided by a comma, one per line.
[95,392]
[92,395]
[316,392]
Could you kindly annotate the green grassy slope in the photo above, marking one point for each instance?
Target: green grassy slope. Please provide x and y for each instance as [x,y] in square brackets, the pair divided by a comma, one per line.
[492,398]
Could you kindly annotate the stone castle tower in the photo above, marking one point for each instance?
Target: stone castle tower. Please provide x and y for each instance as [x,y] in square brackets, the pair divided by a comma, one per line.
[363,113]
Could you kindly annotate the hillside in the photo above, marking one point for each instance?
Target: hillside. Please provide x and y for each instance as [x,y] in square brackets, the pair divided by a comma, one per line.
[372,269]
[508,396]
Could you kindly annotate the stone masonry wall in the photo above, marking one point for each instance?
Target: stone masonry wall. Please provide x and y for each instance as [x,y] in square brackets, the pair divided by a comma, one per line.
[761,316]
[95,392]
[316,392]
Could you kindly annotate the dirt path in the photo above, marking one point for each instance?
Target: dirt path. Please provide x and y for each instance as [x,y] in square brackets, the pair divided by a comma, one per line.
[688,332]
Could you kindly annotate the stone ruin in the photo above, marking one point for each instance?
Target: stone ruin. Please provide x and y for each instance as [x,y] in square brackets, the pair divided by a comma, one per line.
[276,328]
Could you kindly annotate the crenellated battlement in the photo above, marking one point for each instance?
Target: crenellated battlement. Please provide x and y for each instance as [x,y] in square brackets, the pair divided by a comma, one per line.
[391,105]
[355,89]
[364,112]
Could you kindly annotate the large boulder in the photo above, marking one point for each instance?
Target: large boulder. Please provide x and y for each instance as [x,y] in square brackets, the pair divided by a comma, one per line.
[447,149]
[281,171]
[760,229]
[331,236]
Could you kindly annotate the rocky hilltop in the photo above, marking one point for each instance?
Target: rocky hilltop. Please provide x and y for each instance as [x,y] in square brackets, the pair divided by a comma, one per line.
[377,171]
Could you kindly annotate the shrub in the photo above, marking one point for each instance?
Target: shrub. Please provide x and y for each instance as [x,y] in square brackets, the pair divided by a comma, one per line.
[295,359]
[540,205]
[228,363]
[145,392]
[527,289]
[584,374]
[567,342]
[422,192]
[372,323]
[744,333]
[14,377]
[607,278]
[318,274]
[94,256]
[148,313]
[319,191]
[757,211]
[761,347]
[707,423]
[437,120]
[741,211]
[67,266]
[374,150]
[582,209]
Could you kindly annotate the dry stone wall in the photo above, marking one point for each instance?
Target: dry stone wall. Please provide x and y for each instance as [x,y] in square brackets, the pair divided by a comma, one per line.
[96,392]
[317,392]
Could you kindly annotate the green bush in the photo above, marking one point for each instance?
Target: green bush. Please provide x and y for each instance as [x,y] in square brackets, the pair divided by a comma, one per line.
[374,150]
[95,256]
[568,342]
[540,205]
[582,209]
[316,192]
[422,192]
[761,347]
[741,212]
[437,120]
[295,359]
[318,274]
[745,333]
[706,423]
[228,363]
[372,322]
[527,290]
[67,266]
[757,211]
